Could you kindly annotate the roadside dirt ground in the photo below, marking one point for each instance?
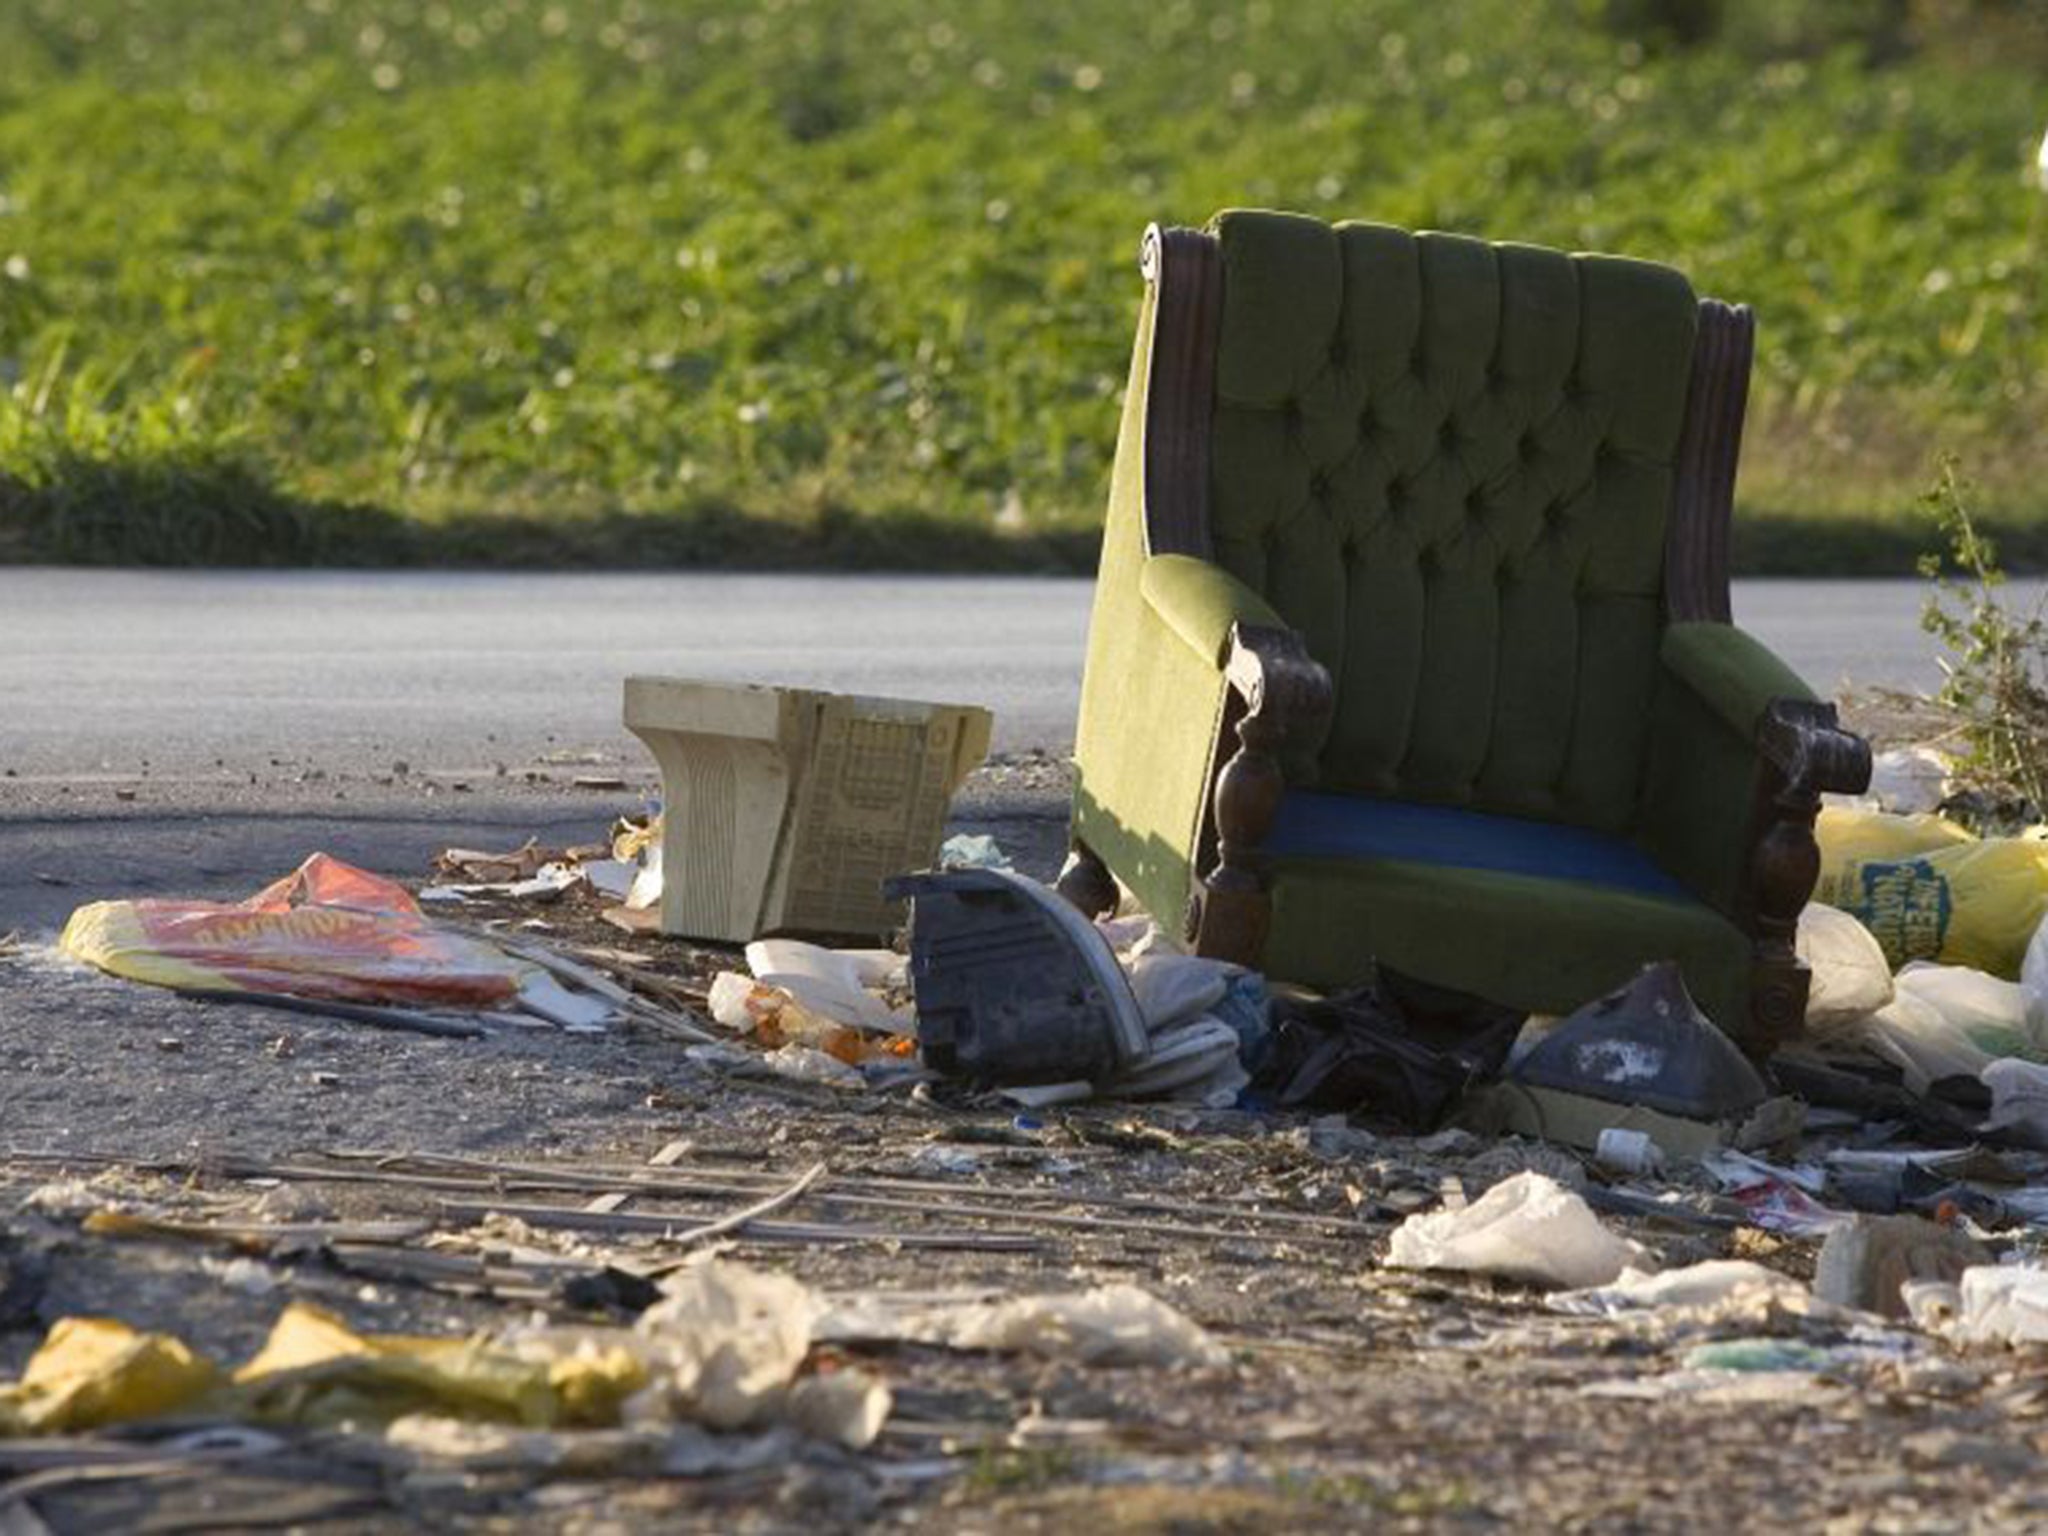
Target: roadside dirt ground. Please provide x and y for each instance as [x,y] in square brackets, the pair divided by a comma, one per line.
[1354,1396]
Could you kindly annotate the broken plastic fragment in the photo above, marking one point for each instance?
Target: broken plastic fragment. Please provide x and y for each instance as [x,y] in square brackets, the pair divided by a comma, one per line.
[1013,985]
[1647,1043]
[847,1407]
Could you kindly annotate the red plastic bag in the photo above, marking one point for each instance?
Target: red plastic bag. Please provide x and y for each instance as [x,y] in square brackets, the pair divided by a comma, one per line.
[327,930]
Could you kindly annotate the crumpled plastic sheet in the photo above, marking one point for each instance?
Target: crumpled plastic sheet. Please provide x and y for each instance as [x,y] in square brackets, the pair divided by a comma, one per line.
[1528,1228]
[2019,1100]
[1711,1283]
[1110,1325]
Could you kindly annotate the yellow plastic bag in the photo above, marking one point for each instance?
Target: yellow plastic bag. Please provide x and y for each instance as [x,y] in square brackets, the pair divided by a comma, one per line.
[314,1369]
[1851,837]
[1929,891]
[90,1371]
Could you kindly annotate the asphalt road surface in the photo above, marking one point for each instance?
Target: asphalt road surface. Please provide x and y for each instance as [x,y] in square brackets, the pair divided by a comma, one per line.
[104,673]
[188,731]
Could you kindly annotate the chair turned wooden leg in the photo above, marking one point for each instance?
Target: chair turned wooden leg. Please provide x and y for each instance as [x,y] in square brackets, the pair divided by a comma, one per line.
[1285,692]
[1805,752]
[1086,882]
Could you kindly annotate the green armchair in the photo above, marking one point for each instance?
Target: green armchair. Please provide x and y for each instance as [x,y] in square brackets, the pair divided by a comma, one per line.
[1411,641]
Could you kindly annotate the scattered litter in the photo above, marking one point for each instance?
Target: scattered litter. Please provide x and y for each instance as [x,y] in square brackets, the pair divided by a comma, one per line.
[1528,1228]
[725,1341]
[807,1064]
[775,1021]
[1110,1325]
[721,1349]
[1394,1049]
[1949,1021]
[476,867]
[540,993]
[1707,1284]
[1577,1120]
[1625,1151]
[93,1371]
[1776,1199]
[244,1276]
[1866,1260]
[1907,781]
[2000,1304]
[2019,1100]
[833,983]
[544,884]
[1771,1355]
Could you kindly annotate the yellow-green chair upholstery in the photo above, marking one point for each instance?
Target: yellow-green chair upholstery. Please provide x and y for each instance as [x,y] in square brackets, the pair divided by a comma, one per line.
[1411,641]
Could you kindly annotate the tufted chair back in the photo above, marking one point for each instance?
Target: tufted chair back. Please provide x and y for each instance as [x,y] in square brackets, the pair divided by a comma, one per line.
[1449,463]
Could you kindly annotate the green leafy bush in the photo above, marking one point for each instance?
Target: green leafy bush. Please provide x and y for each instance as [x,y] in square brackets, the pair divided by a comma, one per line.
[1996,661]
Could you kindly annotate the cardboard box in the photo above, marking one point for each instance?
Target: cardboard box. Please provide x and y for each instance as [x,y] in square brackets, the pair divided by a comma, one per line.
[784,809]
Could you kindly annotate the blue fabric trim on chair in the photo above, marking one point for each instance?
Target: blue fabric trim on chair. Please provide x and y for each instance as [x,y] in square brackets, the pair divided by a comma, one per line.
[1312,826]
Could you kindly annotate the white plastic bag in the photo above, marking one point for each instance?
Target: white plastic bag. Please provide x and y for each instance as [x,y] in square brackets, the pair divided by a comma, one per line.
[2019,1099]
[1170,988]
[2034,980]
[1907,780]
[1706,1284]
[1851,976]
[1949,1021]
[1528,1228]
